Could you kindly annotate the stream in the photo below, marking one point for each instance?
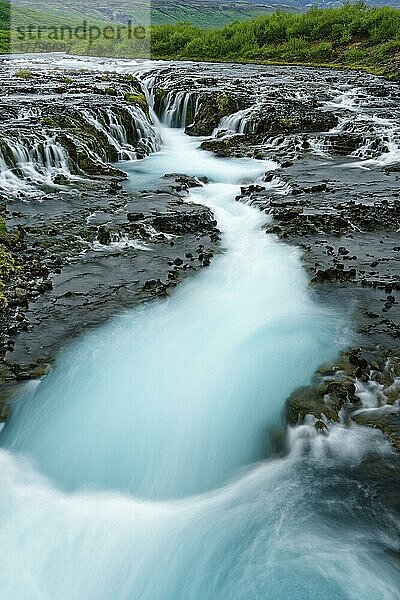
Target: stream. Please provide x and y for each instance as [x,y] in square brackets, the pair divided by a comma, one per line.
[146,464]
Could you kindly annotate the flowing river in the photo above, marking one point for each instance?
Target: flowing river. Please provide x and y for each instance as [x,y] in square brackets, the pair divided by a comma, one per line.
[143,468]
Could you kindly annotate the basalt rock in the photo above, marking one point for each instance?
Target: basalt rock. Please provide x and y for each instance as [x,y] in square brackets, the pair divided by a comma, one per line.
[210,111]
[336,393]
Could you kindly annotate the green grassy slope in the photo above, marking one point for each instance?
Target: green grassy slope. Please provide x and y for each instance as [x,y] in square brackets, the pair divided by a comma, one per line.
[202,16]
[205,13]
[353,35]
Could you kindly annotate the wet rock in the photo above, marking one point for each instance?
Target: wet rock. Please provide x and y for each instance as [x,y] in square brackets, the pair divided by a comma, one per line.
[104,236]
[387,422]
[135,216]
[60,179]
[320,426]
[211,109]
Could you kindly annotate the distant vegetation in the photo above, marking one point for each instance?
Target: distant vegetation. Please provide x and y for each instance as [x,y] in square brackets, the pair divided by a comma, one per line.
[203,13]
[353,35]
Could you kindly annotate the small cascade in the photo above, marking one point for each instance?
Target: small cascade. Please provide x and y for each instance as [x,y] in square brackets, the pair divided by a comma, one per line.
[381,150]
[320,146]
[287,143]
[179,108]
[117,241]
[149,138]
[115,132]
[26,162]
[238,122]
[30,112]
[130,134]
[29,161]
[348,442]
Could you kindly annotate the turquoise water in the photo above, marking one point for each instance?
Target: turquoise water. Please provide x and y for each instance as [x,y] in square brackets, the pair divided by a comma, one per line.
[138,469]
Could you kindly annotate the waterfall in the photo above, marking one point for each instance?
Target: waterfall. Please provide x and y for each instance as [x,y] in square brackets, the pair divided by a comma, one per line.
[131,470]
[238,122]
[177,107]
[29,161]
[144,136]
[26,162]
[154,461]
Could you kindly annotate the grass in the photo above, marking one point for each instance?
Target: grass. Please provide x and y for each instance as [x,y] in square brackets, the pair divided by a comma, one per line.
[353,36]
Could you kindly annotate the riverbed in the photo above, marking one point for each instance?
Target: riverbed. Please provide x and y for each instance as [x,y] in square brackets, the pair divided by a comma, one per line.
[154,461]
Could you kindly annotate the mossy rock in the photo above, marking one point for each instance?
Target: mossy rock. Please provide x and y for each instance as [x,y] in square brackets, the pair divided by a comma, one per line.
[311,400]
[3,228]
[210,112]
[49,122]
[24,74]
[226,105]
[160,95]
[286,124]
[3,301]
[139,100]
[388,423]
[7,264]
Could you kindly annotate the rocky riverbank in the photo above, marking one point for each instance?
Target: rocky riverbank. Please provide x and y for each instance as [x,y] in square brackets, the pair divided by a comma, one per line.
[336,137]
[76,246]
[82,246]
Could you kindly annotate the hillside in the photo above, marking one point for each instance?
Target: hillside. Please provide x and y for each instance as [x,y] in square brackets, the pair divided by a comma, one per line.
[209,14]
[353,36]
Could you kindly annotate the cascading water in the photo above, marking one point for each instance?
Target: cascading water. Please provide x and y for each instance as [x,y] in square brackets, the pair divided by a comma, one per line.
[235,123]
[24,161]
[230,324]
[176,105]
[31,161]
[133,470]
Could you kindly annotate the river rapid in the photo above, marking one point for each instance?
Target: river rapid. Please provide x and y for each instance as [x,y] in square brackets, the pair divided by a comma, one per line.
[154,461]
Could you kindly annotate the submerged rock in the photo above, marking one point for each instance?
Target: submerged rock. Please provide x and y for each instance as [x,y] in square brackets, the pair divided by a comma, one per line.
[343,392]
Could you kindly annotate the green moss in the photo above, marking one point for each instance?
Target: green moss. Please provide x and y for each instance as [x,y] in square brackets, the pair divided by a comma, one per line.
[3,228]
[24,74]
[225,104]
[286,123]
[7,264]
[3,299]
[139,100]
[49,122]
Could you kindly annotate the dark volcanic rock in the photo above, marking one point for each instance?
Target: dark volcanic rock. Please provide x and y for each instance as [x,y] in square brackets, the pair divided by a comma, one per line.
[90,283]
[80,248]
[210,111]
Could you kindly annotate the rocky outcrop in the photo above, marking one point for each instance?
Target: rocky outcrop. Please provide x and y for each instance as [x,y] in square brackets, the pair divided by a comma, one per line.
[211,109]
[96,252]
[288,116]
[78,247]
[360,386]
[79,123]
